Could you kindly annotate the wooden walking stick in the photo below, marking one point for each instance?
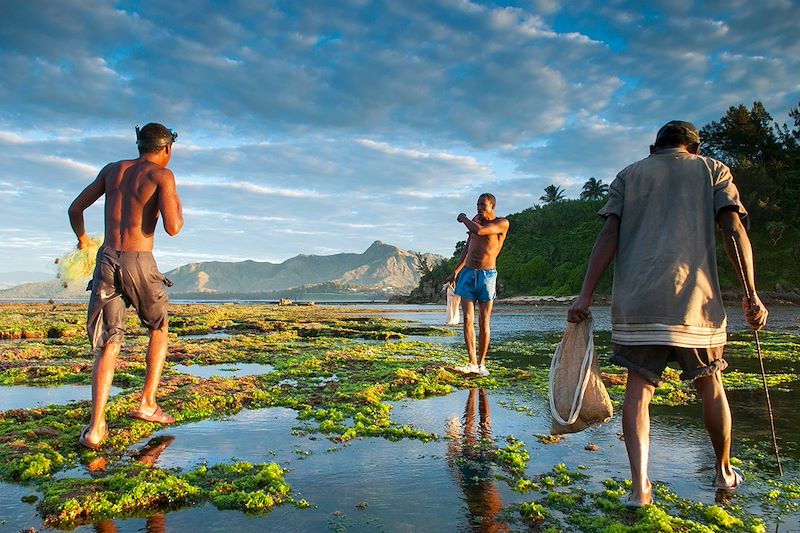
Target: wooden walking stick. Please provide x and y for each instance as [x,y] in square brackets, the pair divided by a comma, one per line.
[760,361]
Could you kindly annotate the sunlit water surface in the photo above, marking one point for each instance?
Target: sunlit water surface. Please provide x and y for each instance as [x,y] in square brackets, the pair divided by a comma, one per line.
[376,485]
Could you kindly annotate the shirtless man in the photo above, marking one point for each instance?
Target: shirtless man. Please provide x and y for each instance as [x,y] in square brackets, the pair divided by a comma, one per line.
[126,274]
[477,277]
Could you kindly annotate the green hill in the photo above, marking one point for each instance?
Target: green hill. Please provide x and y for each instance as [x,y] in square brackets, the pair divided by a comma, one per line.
[547,252]
[547,249]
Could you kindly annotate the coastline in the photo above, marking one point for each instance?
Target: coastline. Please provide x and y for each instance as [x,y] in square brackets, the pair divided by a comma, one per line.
[728,297]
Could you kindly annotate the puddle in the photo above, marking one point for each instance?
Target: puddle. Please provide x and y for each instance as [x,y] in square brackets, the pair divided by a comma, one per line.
[16,515]
[210,335]
[373,484]
[27,397]
[227,370]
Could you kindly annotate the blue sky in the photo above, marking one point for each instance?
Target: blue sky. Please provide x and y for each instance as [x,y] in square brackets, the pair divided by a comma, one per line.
[318,127]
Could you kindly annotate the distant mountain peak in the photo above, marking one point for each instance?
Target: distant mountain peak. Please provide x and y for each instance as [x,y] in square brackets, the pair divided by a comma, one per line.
[379,244]
[382,268]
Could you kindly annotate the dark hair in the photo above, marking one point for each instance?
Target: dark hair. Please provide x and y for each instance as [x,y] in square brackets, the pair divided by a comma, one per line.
[677,133]
[153,137]
[489,196]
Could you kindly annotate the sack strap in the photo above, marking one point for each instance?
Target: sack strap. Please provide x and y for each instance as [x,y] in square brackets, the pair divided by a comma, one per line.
[577,397]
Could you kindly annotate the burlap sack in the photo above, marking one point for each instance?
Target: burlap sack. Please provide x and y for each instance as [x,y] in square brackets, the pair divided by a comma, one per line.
[578,397]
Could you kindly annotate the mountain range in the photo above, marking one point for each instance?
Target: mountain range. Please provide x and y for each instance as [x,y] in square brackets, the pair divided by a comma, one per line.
[381,270]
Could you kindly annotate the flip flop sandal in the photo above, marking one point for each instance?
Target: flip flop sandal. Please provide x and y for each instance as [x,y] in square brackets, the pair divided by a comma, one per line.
[739,475]
[158,416]
[85,442]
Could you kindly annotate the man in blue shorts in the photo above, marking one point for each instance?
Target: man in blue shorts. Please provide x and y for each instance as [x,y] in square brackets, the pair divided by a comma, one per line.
[477,277]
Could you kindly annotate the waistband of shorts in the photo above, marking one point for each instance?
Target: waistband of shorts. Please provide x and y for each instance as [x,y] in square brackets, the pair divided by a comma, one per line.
[122,253]
[481,269]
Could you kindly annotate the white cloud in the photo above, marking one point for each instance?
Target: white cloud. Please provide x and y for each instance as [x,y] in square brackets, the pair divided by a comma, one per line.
[322,127]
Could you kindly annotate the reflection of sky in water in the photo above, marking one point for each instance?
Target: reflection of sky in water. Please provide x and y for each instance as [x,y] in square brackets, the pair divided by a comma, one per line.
[407,485]
[509,321]
[226,370]
[211,335]
[25,397]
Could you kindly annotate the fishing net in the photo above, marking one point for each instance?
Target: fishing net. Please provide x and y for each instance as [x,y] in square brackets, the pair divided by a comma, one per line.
[578,398]
[78,265]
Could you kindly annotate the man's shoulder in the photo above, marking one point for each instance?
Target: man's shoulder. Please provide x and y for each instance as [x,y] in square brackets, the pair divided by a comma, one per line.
[116,165]
[501,221]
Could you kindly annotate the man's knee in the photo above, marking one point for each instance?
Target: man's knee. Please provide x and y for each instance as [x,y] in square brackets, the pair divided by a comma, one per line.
[162,331]
[109,349]
[710,385]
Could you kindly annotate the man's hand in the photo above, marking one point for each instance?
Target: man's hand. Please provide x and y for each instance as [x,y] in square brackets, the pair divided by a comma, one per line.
[754,312]
[462,217]
[579,310]
[84,241]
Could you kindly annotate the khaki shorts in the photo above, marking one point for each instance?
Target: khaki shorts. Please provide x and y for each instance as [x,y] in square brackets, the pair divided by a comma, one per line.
[650,361]
[122,279]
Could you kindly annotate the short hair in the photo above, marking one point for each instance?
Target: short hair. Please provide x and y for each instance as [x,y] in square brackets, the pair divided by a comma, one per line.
[677,133]
[153,137]
[489,196]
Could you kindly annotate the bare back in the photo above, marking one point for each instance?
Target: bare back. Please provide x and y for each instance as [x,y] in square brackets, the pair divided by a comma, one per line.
[131,210]
[136,192]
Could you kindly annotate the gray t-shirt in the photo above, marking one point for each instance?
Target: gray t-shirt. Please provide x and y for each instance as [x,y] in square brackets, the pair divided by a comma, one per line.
[666,287]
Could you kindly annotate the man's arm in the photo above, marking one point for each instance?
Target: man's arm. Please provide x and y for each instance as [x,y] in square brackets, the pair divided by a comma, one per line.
[87,197]
[493,227]
[462,260]
[740,254]
[605,247]
[169,204]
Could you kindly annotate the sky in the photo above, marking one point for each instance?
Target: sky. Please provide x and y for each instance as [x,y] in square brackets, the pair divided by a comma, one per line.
[318,127]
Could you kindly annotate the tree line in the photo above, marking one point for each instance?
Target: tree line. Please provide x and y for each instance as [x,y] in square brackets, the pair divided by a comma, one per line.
[548,246]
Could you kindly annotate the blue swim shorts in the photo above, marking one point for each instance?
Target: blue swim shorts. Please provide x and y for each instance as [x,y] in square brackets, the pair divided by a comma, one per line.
[474,284]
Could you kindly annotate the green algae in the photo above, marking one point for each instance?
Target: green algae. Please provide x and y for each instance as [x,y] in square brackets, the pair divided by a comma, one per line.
[341,388]
[136,489]
[577,509]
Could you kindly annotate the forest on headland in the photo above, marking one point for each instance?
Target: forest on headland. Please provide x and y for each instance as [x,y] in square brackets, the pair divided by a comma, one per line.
[548,245]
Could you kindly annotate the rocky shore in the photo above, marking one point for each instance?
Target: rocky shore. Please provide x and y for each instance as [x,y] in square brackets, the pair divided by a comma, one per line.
[779,297]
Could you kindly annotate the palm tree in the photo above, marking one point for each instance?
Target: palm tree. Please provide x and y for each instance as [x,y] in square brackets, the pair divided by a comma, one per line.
[552,194]
[594,189]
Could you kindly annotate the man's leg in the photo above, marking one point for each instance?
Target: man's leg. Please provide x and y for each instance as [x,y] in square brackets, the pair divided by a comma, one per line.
[156,354]
[468,308]
[636,428]
[484,318]
[717,418]
[102,376]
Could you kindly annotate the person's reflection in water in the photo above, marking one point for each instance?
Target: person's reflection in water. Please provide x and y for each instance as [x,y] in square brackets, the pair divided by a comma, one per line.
[469,457]
[148,456]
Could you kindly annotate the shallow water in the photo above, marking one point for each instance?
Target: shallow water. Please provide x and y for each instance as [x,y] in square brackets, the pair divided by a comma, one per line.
[512,321]
[225,370]
[210,335]
[27,397]
[414,486]
[373,484]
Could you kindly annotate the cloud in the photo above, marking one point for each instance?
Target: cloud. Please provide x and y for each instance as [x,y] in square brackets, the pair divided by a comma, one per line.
[318,127]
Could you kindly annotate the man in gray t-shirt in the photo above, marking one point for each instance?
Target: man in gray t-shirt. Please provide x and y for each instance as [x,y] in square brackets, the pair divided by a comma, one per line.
[666,303]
